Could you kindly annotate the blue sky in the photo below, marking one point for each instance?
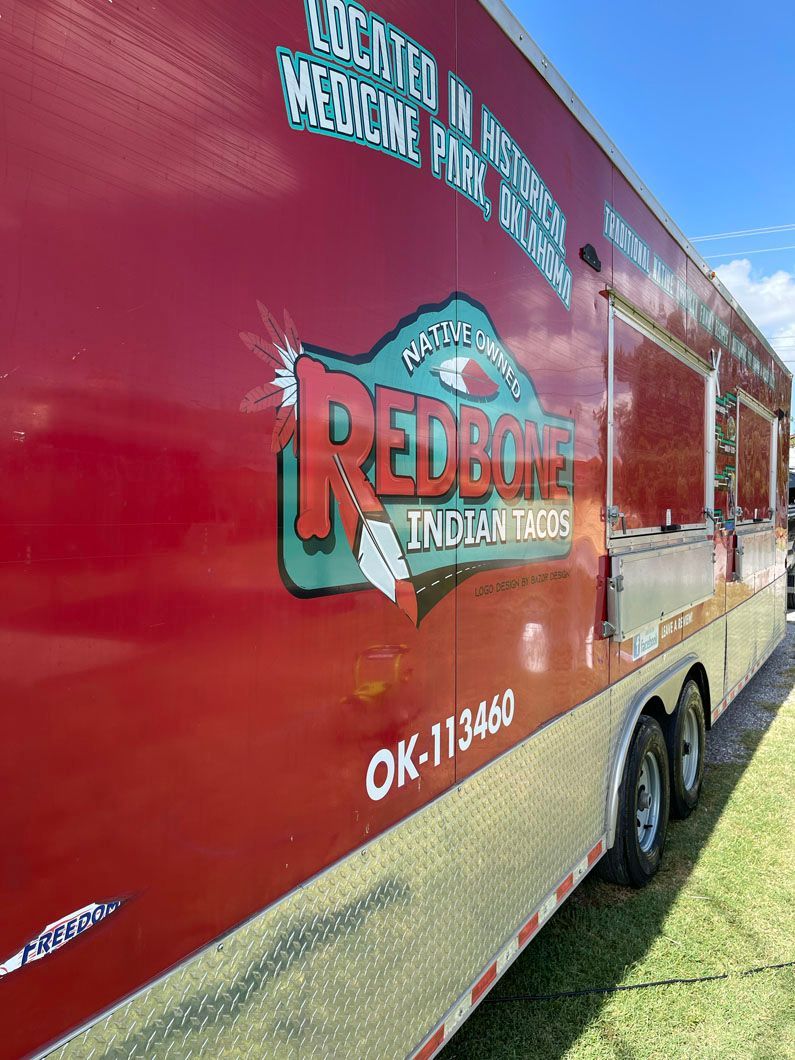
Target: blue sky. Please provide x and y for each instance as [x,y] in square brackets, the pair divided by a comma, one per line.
[700,97]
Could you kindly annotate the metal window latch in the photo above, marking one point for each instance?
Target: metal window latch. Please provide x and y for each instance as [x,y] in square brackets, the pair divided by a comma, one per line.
[614,515]
[608,629]
[616,583]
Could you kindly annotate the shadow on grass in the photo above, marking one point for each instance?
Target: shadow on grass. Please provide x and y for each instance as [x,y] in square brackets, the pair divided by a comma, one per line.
[603,931]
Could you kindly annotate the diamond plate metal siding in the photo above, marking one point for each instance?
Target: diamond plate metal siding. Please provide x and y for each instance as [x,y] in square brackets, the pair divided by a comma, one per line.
[367,958]
[711,650]
[779,608]
[765,619]
[740,641]
[753,628]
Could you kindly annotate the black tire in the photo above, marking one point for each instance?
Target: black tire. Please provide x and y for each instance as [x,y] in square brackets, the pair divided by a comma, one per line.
[686,728]
[627,863]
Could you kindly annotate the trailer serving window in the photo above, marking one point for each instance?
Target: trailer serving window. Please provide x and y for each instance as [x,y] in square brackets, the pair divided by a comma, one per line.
[756,439]
[660,424]
[660,477]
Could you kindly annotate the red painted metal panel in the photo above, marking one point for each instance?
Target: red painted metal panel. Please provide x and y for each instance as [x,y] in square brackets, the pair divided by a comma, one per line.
[707,315]
[541,620]
[186,731]
[753,463]
[657,288]
[659,433]
[748,355]
[192,722]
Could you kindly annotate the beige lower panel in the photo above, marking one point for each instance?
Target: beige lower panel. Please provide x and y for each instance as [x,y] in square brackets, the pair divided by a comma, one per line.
[779,608]
[754,629]
[368,957]
[765,619]
[364,960]
[741,631]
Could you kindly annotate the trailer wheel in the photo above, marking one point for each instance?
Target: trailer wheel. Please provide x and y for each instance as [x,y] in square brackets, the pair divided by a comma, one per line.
[643,804]
[686,738]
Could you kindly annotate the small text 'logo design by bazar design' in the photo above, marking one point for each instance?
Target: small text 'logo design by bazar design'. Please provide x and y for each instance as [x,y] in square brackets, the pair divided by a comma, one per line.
[58,934]
[416,465]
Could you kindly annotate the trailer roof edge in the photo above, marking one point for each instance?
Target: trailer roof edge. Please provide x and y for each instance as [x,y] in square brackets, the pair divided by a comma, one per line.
[514,29]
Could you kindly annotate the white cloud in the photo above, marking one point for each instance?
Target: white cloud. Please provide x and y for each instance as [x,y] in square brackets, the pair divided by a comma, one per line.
[768,300]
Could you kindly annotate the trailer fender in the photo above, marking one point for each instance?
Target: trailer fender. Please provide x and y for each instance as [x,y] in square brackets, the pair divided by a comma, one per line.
[665,687]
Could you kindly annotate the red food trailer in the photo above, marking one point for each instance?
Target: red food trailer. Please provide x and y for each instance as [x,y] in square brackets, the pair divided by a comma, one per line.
[392,499]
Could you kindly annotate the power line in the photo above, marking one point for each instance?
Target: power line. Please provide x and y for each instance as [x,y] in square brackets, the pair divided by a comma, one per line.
[744,232]
[739,253]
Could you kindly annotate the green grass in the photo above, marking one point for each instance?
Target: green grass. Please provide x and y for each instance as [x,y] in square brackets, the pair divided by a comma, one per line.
[723,901]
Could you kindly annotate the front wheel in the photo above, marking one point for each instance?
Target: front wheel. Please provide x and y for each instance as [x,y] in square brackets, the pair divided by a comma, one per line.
[686,738]
[643,805]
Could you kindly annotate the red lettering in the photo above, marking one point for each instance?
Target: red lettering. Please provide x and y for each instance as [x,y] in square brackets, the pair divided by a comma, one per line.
[554,438]
[338,429]
[391,439]
[328,466]
[505,427]
[430,411]
[473,453]
[535,482]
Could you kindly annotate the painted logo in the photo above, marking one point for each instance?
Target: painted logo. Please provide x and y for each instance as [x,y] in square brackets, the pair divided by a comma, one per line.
[58,934]
[414,466]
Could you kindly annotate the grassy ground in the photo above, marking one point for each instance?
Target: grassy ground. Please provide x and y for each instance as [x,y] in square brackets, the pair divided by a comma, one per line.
[723,901]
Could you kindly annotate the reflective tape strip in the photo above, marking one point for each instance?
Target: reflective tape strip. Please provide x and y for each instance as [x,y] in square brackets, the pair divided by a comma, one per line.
[596,853]
[564,888]
[433,1044]
[507,955]
[485,981]
[528,930]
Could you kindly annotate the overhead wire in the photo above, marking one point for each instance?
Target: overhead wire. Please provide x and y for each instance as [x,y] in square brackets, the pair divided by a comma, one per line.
[739,253]
[744,232]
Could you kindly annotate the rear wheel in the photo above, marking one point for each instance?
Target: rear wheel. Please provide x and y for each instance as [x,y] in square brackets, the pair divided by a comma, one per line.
[643,804]
[686,738]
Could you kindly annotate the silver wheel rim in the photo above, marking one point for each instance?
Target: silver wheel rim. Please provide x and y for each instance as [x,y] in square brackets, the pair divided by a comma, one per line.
[691,748]
[647,801]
